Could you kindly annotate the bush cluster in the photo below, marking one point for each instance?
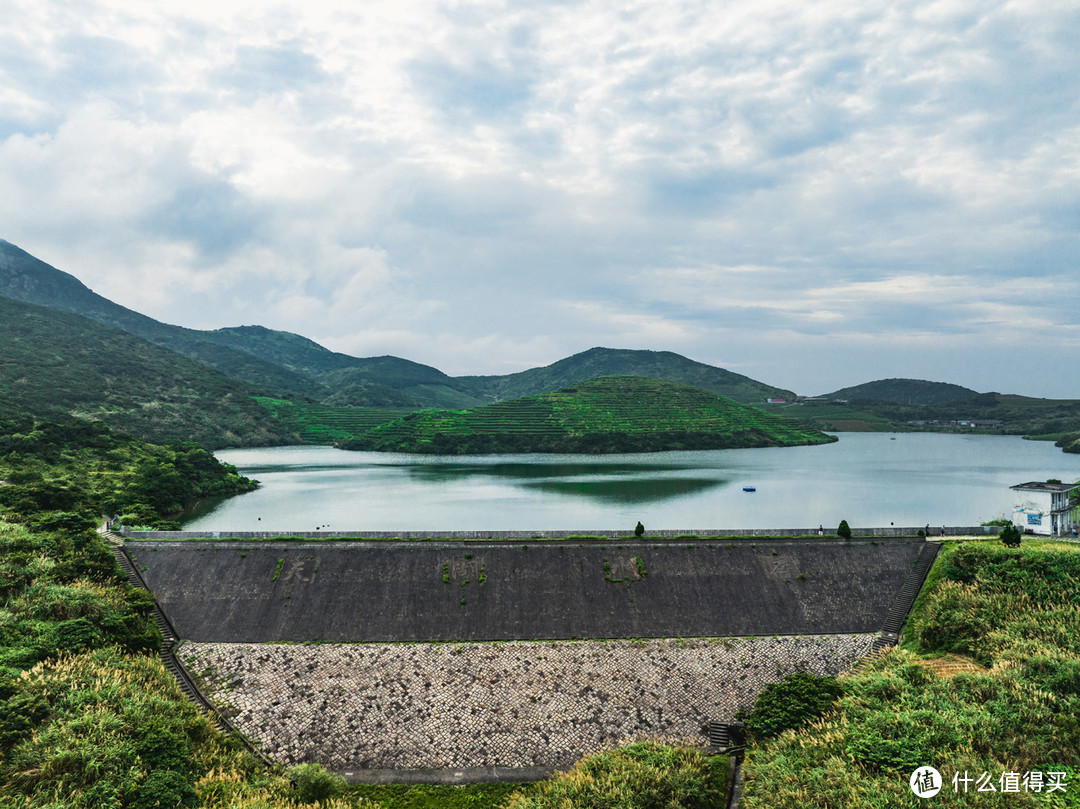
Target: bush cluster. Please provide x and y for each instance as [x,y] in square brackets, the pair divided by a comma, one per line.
[639,776]
[790,703]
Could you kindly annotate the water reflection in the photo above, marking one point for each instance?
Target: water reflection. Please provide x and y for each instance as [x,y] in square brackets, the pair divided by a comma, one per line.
[628,490]
[442,472]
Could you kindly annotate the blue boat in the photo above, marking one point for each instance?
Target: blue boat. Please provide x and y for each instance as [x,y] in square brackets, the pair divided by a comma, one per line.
[749,489]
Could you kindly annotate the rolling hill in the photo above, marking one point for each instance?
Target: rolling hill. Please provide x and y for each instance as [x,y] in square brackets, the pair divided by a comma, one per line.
[600,362]
[294,367]
[28,279]
[904,391]
[57,365]
[612,414]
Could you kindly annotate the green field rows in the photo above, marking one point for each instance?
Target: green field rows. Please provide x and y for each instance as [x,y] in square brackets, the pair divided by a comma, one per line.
[325,424]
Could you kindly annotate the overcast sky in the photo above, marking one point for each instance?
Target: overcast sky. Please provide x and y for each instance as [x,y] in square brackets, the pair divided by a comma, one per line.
[815,194]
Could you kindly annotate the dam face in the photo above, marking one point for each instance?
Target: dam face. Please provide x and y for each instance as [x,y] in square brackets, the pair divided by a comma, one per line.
[255,592]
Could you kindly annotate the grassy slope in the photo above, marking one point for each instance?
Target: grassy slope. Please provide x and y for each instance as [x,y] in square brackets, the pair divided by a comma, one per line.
[55,365]
[1015,612]
[1070,442]
[615,414]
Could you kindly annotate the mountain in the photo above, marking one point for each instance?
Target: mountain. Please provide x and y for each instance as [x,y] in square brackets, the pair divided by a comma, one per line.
[600,362]
[392,381]
[294,367]
[31,280]
[612,414]
[57,365]
[904,391]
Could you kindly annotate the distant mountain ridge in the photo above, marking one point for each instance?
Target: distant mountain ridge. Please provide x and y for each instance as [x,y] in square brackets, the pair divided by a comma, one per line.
[293,366]
[904,391]
[602,362]
[58,365]
[28,279]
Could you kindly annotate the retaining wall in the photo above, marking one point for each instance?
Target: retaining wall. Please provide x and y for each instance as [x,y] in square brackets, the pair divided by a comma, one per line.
[607,533]
[408,591]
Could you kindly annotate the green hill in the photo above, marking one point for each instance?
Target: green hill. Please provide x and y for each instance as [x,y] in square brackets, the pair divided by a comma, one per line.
[31,280]
[904,391]
[613,414]
[600,362]
[56,365]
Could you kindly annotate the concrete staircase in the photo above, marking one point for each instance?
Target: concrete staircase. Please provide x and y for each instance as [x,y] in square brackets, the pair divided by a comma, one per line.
[905,599]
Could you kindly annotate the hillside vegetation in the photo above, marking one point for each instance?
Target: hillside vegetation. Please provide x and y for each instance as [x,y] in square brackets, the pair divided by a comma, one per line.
[89,717]
[614,414]
[1005,700]
[1070,442]
[904,391]
[28,279]
[56,365]
[1019,415]
[601,362]
[327,424]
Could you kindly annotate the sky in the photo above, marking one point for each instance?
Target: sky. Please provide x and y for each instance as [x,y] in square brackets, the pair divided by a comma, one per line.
[814,194]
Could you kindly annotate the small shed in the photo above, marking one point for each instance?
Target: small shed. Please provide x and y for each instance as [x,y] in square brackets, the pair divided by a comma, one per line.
[1045,508]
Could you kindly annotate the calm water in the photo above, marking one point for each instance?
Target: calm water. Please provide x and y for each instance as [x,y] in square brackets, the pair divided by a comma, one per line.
[866,478]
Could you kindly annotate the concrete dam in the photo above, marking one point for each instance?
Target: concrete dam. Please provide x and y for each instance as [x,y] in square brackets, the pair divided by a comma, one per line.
[489,590]
[599,641]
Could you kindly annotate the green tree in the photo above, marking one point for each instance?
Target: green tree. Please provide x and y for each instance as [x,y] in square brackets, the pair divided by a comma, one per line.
[639,529]
[843,530]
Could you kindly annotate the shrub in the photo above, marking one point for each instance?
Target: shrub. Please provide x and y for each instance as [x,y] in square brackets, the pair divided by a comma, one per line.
[77,635]
[794,701]
[313,783]
[165,789]
[164,749]
[639,529]
[1010,536]
[20,713]
[843,530]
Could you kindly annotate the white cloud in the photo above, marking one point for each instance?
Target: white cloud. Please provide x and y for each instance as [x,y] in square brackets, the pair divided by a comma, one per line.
[502,181]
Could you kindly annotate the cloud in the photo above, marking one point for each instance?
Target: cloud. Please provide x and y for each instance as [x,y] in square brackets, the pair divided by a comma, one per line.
[776,186]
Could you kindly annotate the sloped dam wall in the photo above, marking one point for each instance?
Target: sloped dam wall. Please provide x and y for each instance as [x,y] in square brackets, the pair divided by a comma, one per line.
[491,590]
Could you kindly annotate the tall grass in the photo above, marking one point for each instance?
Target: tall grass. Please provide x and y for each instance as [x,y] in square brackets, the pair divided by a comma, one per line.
[1016,612]
[639,776]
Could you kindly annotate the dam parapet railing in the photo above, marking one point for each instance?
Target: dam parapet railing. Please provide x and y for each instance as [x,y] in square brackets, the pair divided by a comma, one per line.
[649,535]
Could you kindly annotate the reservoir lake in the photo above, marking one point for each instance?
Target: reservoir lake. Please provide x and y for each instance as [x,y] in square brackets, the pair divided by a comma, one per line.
[869,479]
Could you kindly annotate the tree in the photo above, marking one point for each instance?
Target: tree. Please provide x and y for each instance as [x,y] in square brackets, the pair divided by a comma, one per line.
[639,529]
[1010,536]
[843,530]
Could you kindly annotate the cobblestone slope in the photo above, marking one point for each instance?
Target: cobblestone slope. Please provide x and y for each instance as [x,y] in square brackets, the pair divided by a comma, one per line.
[514,704]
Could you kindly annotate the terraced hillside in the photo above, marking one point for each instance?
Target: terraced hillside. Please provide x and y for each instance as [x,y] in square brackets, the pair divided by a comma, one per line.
[613,414]
[325,424]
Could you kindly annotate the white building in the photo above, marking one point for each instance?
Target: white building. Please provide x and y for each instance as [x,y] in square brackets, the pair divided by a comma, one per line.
[1044,508]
